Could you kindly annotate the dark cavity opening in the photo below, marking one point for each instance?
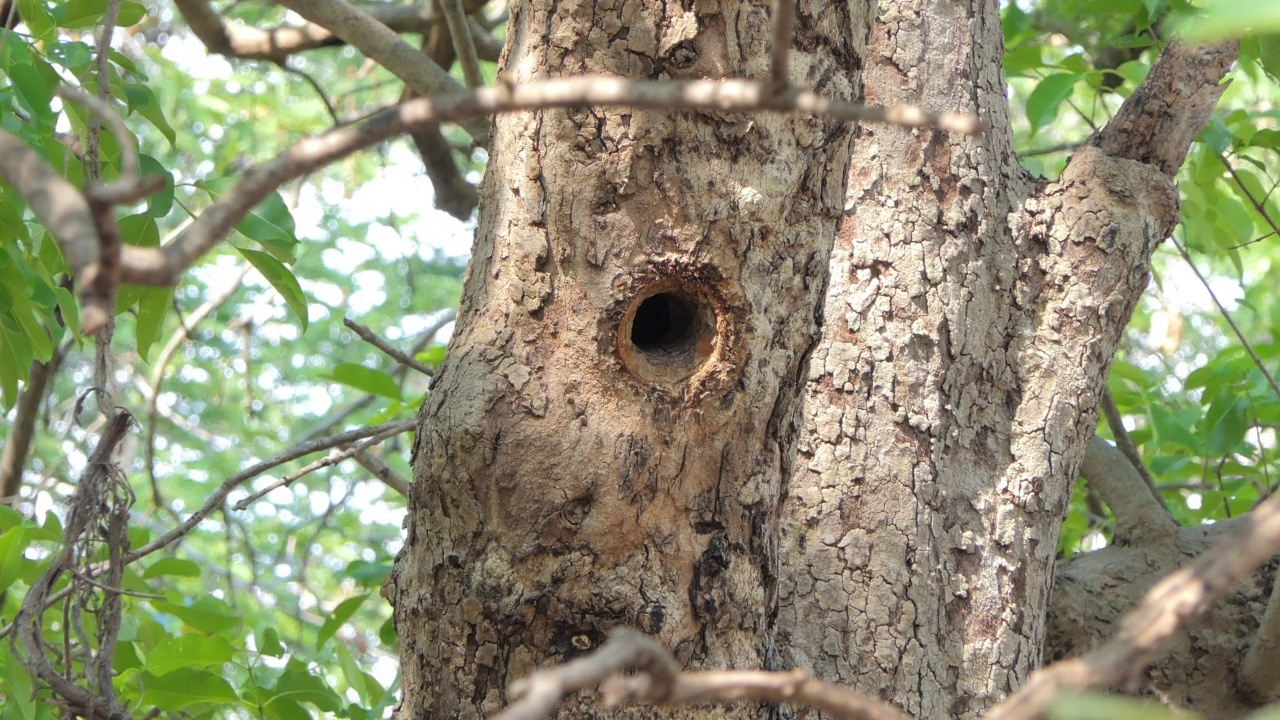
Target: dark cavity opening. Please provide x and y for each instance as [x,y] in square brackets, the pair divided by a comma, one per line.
[663,322]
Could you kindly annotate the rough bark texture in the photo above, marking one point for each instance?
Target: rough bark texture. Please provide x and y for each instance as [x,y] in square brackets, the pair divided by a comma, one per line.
[1202,670]
[607,441]
[970,324]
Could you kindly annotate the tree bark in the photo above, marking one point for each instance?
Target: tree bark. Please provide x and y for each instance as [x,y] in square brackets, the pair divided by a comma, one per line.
[607,440]
[970,324]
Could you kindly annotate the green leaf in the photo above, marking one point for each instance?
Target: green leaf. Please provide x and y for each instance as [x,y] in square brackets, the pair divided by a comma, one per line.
[339,617]
[38,20]
[1269,55]
[143,101]
[433,356]
[34,92]
[269,223]
[357,680]
[387,633]
[368,574]
[188,651]
[12,544]
[1224,424]
[1112,707]
[185,687]
[268,642]
[160,203]
[153,305]
[19,692]
[76,14]
[282,280]
[1227,18]
[207,614]
[1042,104]
[362,378]
[172,567]
[301,685]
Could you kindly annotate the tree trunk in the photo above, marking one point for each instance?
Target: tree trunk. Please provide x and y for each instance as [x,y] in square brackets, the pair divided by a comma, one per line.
[612,435]
[607,441]
[970,324]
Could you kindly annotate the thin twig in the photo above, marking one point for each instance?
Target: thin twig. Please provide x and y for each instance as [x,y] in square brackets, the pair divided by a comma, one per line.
[102,110]
[368,336]
[784,26]
[660,682]
[382,45]
[180,336]
[463,44]
[1258,205]
[381,470]
[162,266]
[1126,446]
[391,430]
[219,495]
[1275,387]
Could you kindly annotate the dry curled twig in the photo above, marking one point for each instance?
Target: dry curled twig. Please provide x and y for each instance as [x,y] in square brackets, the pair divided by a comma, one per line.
[659,681]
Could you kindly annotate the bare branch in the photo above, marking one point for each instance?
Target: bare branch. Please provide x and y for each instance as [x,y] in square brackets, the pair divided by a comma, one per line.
[1126,446]
[1174,604]
[660,682]
[382,471]
[219,496]
[368,336]
[102,110]
[22,429]
[162,266]
[237,40]
[1157,123]
[463,44]
[1244,342]
[389,430]
[453,193]
[28,624]
[1139,518]
[784,28]
[382,45]
[1259,671]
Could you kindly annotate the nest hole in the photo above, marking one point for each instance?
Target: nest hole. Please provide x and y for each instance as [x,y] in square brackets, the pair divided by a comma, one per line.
[668,334]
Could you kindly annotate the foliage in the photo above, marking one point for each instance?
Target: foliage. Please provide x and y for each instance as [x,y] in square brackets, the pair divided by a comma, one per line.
[273,611]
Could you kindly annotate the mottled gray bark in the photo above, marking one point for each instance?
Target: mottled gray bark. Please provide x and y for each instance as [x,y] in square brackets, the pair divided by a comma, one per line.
[607,441]
[970,323]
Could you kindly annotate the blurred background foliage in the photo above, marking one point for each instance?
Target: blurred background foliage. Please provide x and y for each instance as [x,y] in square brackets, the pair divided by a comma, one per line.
[273,611]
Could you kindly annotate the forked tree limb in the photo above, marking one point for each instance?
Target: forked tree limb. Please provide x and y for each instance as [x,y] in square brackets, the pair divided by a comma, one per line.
[236,40]
[385,47]
[1139,517]
[1168,609]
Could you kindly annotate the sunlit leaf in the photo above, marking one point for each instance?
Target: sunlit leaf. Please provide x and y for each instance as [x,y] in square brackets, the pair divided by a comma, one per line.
[340,615]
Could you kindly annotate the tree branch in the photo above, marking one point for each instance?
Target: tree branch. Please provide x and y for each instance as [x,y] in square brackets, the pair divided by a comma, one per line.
[1125,444]
[162,266]
[660,682]
[22,429]
[1174,604]
[1157,124]
[382,45]
[368,336]
[241,41]
[463,44]
[1259,671]
[1139,517]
